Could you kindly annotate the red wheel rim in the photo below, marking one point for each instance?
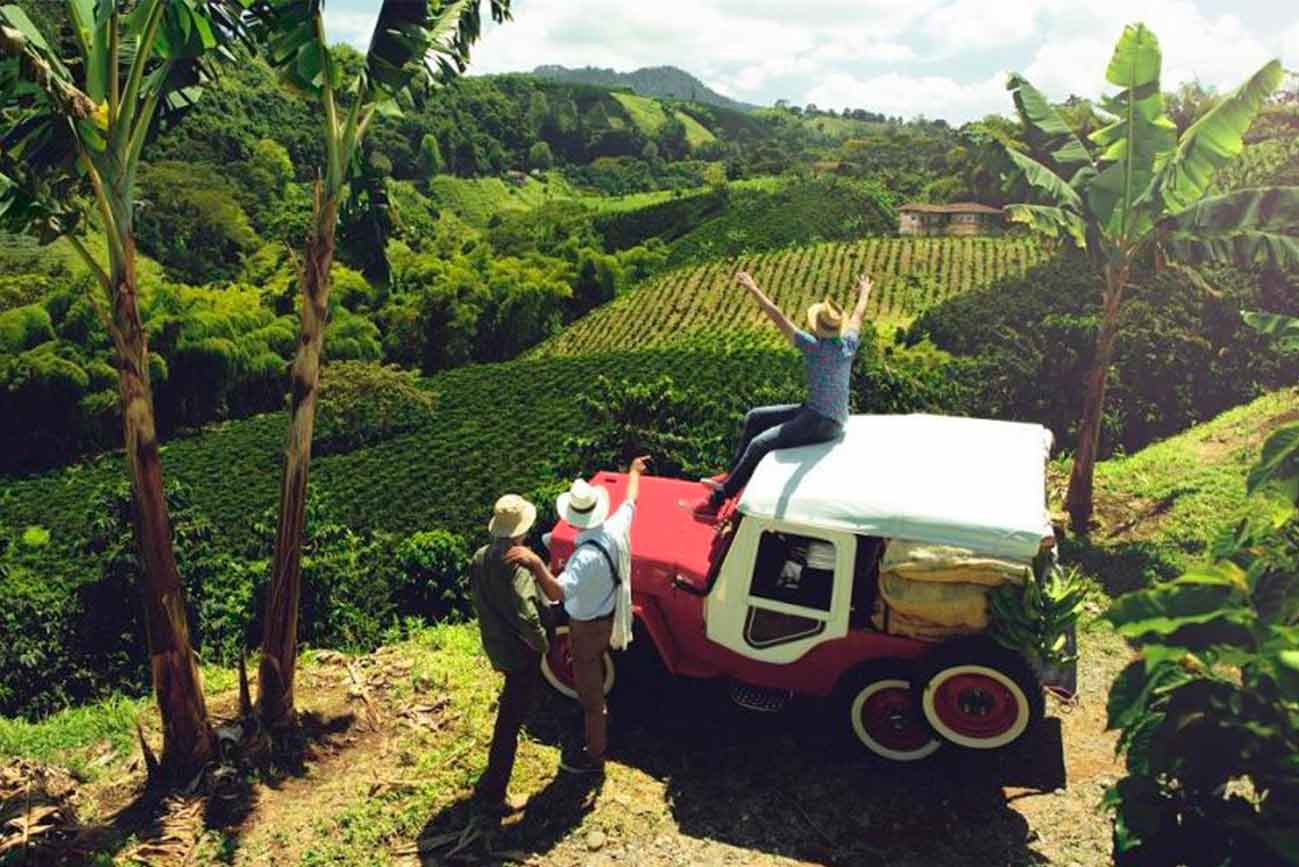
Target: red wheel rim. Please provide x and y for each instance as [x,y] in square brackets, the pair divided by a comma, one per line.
[889,716]
[560,659]
[976,706]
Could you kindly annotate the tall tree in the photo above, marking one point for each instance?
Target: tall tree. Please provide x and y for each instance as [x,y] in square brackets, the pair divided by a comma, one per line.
[71,146]
[412,39]
[1134,191]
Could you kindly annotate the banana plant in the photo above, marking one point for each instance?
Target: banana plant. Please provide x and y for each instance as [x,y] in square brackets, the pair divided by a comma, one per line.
[413,40]
[74,130]
[1134,190]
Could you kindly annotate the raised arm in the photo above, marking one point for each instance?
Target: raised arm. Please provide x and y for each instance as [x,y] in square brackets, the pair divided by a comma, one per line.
[864,294]
[773,312]
[633,477]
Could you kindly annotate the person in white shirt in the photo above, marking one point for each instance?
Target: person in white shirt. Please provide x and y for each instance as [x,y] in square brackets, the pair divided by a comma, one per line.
[597,594]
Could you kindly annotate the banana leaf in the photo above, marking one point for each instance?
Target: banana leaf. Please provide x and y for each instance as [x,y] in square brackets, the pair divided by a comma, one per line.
[1213,140]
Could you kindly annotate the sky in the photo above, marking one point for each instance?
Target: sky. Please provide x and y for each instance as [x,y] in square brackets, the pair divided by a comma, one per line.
[939,58]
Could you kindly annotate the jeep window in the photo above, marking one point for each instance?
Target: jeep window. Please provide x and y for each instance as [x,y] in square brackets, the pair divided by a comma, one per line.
[796,570]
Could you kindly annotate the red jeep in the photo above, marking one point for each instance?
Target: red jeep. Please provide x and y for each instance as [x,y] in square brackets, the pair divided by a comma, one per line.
[723,600]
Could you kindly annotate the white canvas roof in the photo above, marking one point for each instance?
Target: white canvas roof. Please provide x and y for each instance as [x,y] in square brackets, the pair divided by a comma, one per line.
[957,481]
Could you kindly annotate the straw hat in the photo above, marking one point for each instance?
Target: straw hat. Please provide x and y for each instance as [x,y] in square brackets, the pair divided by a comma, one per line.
[512,517]
[825,319]
[584,505]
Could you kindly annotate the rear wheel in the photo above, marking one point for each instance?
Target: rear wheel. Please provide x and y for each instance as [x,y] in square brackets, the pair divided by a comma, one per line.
[557,665]
[882,713]
[977,694]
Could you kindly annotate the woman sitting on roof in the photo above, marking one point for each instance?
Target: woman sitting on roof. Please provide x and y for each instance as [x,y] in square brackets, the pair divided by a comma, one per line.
[828,353]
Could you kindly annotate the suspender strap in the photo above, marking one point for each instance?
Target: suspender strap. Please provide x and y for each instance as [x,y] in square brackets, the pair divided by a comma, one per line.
[613,569]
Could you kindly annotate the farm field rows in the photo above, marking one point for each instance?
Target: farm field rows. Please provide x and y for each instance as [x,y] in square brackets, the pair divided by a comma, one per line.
[498,428]
[910,274]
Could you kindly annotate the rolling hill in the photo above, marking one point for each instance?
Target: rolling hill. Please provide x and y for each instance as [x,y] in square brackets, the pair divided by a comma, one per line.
[664,82]
[910,274]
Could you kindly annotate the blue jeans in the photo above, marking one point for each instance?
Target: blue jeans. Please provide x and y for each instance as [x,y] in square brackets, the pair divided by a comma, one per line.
[774,427]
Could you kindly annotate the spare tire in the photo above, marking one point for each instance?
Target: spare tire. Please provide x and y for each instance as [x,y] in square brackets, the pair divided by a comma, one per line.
[976,694]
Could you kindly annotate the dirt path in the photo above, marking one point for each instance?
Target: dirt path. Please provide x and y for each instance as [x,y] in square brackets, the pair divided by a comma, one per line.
[395,740]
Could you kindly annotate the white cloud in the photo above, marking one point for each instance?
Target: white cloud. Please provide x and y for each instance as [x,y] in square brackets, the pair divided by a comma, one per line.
[972,25]
[1290,47]
[1218,51]
[895,93]
[937,57]
[354,28]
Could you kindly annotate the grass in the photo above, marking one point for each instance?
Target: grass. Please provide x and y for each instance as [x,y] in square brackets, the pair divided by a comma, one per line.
[697,135]
[647,114]
[1182,491]
[71,737]
[476,200]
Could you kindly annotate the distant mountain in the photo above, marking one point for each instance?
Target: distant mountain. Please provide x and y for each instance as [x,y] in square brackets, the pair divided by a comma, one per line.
[655,81]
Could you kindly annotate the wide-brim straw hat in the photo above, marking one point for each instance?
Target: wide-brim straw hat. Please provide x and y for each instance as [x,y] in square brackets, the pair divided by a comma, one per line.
[512,517]
[825,319]
[584,505]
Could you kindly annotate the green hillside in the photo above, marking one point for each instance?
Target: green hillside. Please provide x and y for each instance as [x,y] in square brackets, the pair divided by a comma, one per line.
[497,427]
[910,274]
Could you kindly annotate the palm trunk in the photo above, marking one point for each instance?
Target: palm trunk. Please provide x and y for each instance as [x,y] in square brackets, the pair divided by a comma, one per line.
[1079,502]
[188,742]
[280,641]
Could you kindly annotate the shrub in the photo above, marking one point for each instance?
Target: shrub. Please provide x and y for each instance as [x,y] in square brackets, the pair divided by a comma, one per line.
[540,157]
[24,327]
[359,403]
[432,580]
[1208,717]
[191,223]
[1025,344]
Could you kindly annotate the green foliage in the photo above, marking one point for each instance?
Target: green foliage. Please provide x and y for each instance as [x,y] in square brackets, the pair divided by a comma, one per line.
[703,302]
[73,627]
[803,212]
[540,157]
[191,223]
[666,221]
[1183,354]
[359,403]
[23,328]
[434,578]
[1036,619]
[1214,700]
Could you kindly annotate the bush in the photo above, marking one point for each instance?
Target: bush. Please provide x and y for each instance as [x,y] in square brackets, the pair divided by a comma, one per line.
[191,222]
[1183,354]
[540,157]
[1208,717]
[433,576]
[23,328]
[360,402]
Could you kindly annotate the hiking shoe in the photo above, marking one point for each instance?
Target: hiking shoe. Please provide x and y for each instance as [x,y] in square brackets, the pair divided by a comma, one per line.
[713,483]
[703,508]
[506,806]
[581,763]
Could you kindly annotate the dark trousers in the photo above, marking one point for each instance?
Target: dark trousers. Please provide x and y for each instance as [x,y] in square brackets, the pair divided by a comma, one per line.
[774,427]
[516,701]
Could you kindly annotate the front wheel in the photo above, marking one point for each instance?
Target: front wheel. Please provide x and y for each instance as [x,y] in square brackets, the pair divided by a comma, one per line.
[977,694]
[882,715]
[557,665]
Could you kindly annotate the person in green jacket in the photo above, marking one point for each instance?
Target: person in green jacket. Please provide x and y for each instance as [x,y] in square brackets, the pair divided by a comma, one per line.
[509,620]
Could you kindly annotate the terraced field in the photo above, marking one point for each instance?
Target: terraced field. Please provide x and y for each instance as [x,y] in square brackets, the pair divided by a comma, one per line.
[910,275]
